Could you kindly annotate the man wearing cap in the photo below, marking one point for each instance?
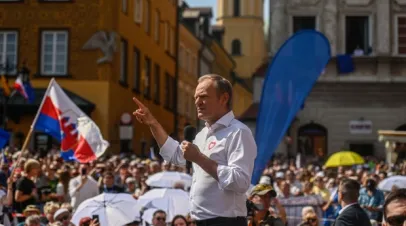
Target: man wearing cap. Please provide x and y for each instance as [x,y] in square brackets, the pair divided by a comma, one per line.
[261,196]
[63,215]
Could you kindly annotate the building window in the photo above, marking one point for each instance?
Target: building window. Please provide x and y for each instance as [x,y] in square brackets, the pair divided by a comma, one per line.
[357,40]
[194,65]
[172,41]
[167,38]
[157,26]
[123,59]
[236,47]
[169,91]
[236,11]
[303,22]
[181,57]
[147,16]
[401,39]
[136,69]
[147,77]
[124,6]
[54,56]
[187,61]
[157,82]
[8,52]
[180,100]
[138,11]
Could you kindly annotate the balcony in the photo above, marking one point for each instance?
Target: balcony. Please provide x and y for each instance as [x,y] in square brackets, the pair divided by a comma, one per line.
[380,69]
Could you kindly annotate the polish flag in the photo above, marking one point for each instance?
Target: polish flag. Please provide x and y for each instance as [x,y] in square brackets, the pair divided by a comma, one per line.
[59,117]
[19,86]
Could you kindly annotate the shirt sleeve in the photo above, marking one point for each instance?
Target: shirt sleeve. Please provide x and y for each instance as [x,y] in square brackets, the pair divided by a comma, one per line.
[241,154]
[171,152]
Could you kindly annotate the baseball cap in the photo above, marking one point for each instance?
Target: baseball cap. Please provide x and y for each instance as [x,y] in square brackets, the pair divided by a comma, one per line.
[263,189]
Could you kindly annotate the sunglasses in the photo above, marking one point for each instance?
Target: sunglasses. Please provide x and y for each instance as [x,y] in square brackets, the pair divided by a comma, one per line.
[396,220]
[160,218]
[64,218]
[311,220]
[191,222]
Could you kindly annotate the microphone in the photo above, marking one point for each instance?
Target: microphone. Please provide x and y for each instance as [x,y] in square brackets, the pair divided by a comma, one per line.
[189,134]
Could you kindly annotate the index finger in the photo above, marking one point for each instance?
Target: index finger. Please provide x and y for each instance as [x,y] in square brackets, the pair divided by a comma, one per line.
[139,103]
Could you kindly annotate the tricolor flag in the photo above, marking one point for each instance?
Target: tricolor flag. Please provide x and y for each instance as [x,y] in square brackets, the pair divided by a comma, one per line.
[24,88]
[59,117]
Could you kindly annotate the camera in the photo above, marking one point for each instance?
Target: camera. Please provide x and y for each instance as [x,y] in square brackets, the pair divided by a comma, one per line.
[251,208]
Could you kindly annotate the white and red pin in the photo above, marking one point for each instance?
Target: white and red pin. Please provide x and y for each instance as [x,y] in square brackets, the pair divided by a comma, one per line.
[212,144]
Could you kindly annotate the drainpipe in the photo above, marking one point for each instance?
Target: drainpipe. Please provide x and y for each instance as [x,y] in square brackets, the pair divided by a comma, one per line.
[175,110]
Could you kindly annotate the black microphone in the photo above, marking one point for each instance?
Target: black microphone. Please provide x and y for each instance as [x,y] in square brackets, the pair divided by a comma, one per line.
[189,134]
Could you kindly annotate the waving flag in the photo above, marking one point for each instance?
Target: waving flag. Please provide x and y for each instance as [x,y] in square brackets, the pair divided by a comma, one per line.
[58,116]
[290,78]
[24,88]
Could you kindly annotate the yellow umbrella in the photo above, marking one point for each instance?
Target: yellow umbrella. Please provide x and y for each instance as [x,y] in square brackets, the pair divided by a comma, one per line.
[344,158]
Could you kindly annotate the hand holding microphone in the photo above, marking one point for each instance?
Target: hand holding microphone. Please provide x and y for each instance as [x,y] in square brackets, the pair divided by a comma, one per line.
[190,151]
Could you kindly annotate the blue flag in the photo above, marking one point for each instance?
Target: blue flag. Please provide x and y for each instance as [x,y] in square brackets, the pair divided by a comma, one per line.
[288,81]
[4,138]
[30,92]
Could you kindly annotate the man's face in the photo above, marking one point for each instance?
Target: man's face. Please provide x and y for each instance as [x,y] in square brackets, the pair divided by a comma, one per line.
[396,213]
[159,219]
[108,180]
[208,103]
[264,200]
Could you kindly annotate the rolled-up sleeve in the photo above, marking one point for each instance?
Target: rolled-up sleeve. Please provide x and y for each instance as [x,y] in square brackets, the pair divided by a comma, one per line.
[171,152]
[241,154]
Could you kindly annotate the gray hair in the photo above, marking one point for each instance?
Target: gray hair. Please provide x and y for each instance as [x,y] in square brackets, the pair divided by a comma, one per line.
[222,86]
[33,219]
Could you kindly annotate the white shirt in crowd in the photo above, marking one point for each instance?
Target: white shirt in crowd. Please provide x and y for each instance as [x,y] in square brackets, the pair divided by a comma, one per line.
[89,190]
[230,143]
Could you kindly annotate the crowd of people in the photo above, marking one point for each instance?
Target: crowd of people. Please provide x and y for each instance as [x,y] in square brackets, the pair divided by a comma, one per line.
[47,191]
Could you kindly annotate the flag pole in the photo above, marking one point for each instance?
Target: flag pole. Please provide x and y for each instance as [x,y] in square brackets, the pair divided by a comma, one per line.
[28,137]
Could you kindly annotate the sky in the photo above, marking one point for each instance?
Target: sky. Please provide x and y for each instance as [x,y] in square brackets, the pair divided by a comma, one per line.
[213,4]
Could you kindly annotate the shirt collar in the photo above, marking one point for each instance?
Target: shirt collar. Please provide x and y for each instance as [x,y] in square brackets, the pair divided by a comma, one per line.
[225,120]
[345,207]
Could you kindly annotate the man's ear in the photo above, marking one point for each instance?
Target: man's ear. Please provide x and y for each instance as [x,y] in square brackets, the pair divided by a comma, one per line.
[224,98]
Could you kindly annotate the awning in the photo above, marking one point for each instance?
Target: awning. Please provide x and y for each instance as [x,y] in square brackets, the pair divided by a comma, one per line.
[17,106]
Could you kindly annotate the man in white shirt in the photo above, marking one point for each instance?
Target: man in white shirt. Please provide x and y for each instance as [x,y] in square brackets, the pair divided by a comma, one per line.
[222,154]
[82,187]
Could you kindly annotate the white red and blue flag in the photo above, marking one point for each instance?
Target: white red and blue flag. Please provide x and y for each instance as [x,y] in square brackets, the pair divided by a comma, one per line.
[24,88]
[59,117]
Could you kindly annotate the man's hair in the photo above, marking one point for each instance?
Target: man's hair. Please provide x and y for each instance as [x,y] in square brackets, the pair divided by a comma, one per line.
[33,219]
[350,190]
[158,212]
[397,195]
[222,86]
[31,164]
[108,173]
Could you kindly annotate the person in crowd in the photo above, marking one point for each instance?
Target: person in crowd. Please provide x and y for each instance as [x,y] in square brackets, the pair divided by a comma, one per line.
[62,188]
[261,196]
[30,210]
[6,198]
[64,216]
[33,220]
[394,209]
[159,218]
[190,220]
[179,220]
[130,185]
[49,210]
[309,216]
[108,185]
[82,187]
[216,178]
[371,200]
[26,192]
[351,214]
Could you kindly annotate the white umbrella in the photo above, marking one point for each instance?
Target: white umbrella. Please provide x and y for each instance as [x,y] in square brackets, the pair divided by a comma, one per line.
[172,201]
[388,183]
[167,179]
[112,209]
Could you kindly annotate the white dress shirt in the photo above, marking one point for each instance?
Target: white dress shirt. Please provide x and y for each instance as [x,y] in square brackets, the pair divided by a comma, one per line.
[229,143]
[89,190]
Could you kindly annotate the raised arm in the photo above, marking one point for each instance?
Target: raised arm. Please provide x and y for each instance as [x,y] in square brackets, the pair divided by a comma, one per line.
[170,150]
